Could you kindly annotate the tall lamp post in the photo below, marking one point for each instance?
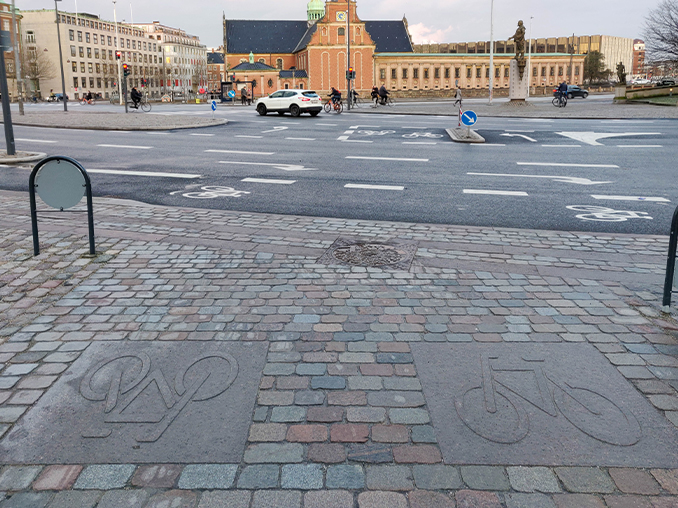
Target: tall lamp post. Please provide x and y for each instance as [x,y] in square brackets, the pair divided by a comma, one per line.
[529,59]
[61,58]
[491,50]
[117,51]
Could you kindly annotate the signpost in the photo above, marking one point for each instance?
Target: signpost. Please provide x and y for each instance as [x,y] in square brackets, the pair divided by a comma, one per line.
[5,44]
[61,182]
[469,119]
[214,108]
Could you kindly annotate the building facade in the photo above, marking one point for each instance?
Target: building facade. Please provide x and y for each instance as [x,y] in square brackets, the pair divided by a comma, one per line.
[313,54]
[88,46]
[216,70]
[639,68]
[184,59]
[10,56]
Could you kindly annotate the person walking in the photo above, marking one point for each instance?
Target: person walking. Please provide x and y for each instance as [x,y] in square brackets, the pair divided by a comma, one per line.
[243,95]
[457,98]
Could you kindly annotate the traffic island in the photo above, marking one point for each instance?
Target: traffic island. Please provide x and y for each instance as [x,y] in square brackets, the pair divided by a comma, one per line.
[20,157]
[461,135]
[135,121]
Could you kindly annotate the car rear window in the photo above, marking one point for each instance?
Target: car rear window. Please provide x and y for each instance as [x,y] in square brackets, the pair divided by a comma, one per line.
[310,94]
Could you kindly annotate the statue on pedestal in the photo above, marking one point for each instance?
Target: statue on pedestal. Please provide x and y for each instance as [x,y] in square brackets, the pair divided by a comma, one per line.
[621,73]
[519,39]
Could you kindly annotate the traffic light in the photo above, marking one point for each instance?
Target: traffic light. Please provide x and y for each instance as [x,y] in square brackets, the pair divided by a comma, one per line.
[125,70]
[350,73]
[118,55]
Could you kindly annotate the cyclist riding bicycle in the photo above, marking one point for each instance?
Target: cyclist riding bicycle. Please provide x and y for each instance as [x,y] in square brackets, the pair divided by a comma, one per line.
[335,95]
[136,97]
[375,95]
[562,90]
[88,97]
[383,95]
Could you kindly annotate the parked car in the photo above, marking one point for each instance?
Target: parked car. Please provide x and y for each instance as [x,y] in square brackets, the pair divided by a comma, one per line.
[666,82]
[641,81]
[573,91]
[293,101]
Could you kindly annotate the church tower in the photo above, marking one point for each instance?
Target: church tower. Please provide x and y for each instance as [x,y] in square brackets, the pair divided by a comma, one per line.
[315,10]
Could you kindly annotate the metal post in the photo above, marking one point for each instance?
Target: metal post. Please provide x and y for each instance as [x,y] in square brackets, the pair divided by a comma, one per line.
[34,215]
[17,60]
[117,48]
[61,58]
[529,60]
[571,48]
[671,262]
[491,85]
[6,113]
[348,51]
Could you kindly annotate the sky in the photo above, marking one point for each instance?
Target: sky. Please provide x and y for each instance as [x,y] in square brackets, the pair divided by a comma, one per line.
[429,20]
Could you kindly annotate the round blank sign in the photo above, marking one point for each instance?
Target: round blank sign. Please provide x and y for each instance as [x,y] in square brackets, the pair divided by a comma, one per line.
[60,184]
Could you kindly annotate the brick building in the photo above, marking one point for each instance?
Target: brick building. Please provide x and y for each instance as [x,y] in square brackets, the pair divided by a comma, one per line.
[639,67]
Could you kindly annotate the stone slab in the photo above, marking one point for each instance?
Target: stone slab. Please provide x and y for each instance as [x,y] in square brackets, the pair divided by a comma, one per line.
[144,403]
[541,395]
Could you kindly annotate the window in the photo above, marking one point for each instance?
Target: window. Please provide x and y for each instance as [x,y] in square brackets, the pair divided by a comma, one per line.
[468,73]
[89,67]
[487,73]
[478,71]
[87,37]
[534,72]
[110,54]
[552,71]
[560,71]
[96,39]
[74,66]
[415,73]
[89,52]
[436,73]
[279,64]
[96,52]
[91,82]
[109,41]
[71,35]
[127,43]
[287,85]
[425,73]
[98,82]
[457,73]
[98,67]
[497,72]
[72,50]
[394,74]
[447,72]
[84,82]
[382,73]
[134,45]
[79,36]
[404,73]
[75,82]
[543,72]
[82,67]
[81,52]
[576,71]
[262,60]
[506,72]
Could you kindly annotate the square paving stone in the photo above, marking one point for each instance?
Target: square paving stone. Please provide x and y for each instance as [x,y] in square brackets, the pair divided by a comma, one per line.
[539,404]
[144,403]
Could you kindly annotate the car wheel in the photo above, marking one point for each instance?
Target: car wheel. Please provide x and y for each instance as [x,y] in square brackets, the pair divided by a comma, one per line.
[586,94]
[314,113]
[261,109]
[570,96]
[294,110]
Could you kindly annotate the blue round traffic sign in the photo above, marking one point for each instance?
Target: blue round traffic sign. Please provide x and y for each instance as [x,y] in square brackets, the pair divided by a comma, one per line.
[469,118]
[214,105]
[231,93]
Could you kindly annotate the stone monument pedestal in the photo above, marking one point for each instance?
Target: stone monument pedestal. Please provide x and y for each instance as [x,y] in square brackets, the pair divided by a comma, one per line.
[518,88]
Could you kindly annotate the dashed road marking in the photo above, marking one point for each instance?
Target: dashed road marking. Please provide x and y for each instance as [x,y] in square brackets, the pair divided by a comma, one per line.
[495,192]
[251,137]
[198,134]
[640,146]
[142,173]
[561,146]
[34,140]
[301,139]
[373,187]
[133,147]
[567,165]
[632,198]
[240,152]
[385,158]
[268,180]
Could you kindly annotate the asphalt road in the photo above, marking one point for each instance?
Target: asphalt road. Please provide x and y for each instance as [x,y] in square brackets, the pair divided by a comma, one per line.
[587,175]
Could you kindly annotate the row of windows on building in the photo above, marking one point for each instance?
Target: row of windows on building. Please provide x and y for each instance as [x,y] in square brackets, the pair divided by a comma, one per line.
[97,68]
[478,73]
[126,55]
[112,41]
[104,83]
[98,25]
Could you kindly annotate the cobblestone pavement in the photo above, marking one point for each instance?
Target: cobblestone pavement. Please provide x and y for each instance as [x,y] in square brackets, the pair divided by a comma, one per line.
[342,415]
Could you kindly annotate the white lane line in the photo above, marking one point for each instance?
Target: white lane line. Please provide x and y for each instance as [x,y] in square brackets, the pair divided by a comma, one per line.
[267,180]
[518,130]
[419,143]
[557,178]
[374,187]
[327,124]
[631,198]
[561,146]
[355,127]
[345,139]
[240,152]
[385,159]
[157,133]
[640,146]
[495,192]
[487,144]
[301,139]
[564,165]
[142,173]
[34,140]
[196,134]
[251,137]
[127,146]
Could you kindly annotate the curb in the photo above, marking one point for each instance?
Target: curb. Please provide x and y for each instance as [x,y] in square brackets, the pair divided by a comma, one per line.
[125,128]
[459,135]
[31,157]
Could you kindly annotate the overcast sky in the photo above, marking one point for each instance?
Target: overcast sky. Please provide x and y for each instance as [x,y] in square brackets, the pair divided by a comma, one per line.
[429,20]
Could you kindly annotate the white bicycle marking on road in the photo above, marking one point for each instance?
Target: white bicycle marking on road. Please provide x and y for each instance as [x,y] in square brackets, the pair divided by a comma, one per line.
[414,135]
[212,192]
[603,214]
[375,133]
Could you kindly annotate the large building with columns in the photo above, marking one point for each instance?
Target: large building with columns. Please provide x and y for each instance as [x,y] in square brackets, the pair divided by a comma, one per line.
[313,54]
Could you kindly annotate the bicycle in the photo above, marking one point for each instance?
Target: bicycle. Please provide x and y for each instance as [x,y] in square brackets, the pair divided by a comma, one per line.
[357,102]
[604,214]
[85,102]
[496,407]
[330,106]
[560,101]
[143,104]
[388,101]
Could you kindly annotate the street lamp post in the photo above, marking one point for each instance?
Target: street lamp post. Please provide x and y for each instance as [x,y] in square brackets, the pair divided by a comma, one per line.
[61,58]
[491,85]
[529,59]
[117,50]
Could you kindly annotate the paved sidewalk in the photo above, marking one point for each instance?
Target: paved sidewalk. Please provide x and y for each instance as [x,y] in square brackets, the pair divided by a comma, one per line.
[222,359]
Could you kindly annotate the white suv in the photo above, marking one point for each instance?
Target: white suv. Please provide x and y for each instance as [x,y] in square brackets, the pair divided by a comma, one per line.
[293,101]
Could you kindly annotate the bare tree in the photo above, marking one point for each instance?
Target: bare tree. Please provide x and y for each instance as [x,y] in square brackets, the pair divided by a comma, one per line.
[661,31]
[199,74]
[36,66]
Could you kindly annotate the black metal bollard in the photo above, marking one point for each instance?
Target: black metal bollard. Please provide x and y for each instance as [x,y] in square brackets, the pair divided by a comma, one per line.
[671,263]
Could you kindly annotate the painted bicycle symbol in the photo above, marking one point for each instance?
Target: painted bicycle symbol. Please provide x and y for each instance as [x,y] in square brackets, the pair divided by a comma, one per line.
[375,133]
[601,213]
[123,382]
[496,410]
[212,192]
[415,135]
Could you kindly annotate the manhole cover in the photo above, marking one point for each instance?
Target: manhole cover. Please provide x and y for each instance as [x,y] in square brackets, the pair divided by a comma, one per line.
[391,254]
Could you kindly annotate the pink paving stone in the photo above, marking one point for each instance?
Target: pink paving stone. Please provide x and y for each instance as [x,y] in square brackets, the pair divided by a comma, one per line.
[374,369]
[338,347]
[157,476]
[267,432]
[381,500]
[578,501]
[327,453]
[328,499]
[664,502]
[667,478]
[349,433]
[634,481]
[627,502]
[355,398]
[394,347]
[415,319]
[292,383]
[325,414]
[320,357]
[477,499]
[391,318]
[390,434]
[427,499]
[307,433]
[405,370]
[422,454]
[57,478]
[266,382]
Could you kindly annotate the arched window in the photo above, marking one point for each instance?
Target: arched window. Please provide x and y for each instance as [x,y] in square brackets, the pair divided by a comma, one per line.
[262,60]
[279,63]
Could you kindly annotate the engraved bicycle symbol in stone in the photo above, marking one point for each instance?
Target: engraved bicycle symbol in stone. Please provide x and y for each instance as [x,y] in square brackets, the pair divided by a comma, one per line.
[214,191]
[375,133]
[134,394]
[496,410]
[601,213]
[415,135]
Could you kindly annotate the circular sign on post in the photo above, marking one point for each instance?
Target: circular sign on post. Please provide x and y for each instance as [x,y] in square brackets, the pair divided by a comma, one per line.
[231,93]
[469,118]
[60,184]
[214,105]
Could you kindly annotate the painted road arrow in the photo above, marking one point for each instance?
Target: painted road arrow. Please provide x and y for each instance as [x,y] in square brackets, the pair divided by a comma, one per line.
[284,167]
[519,136]
[591,138]
[556,178]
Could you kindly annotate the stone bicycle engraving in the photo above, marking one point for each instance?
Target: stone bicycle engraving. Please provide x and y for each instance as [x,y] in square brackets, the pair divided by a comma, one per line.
[603,214]
[124,383]
[496,409]
[415,135]
[214,191]
[375,133]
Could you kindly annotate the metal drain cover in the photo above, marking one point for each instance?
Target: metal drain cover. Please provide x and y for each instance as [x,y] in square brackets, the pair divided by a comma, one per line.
[396,254]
